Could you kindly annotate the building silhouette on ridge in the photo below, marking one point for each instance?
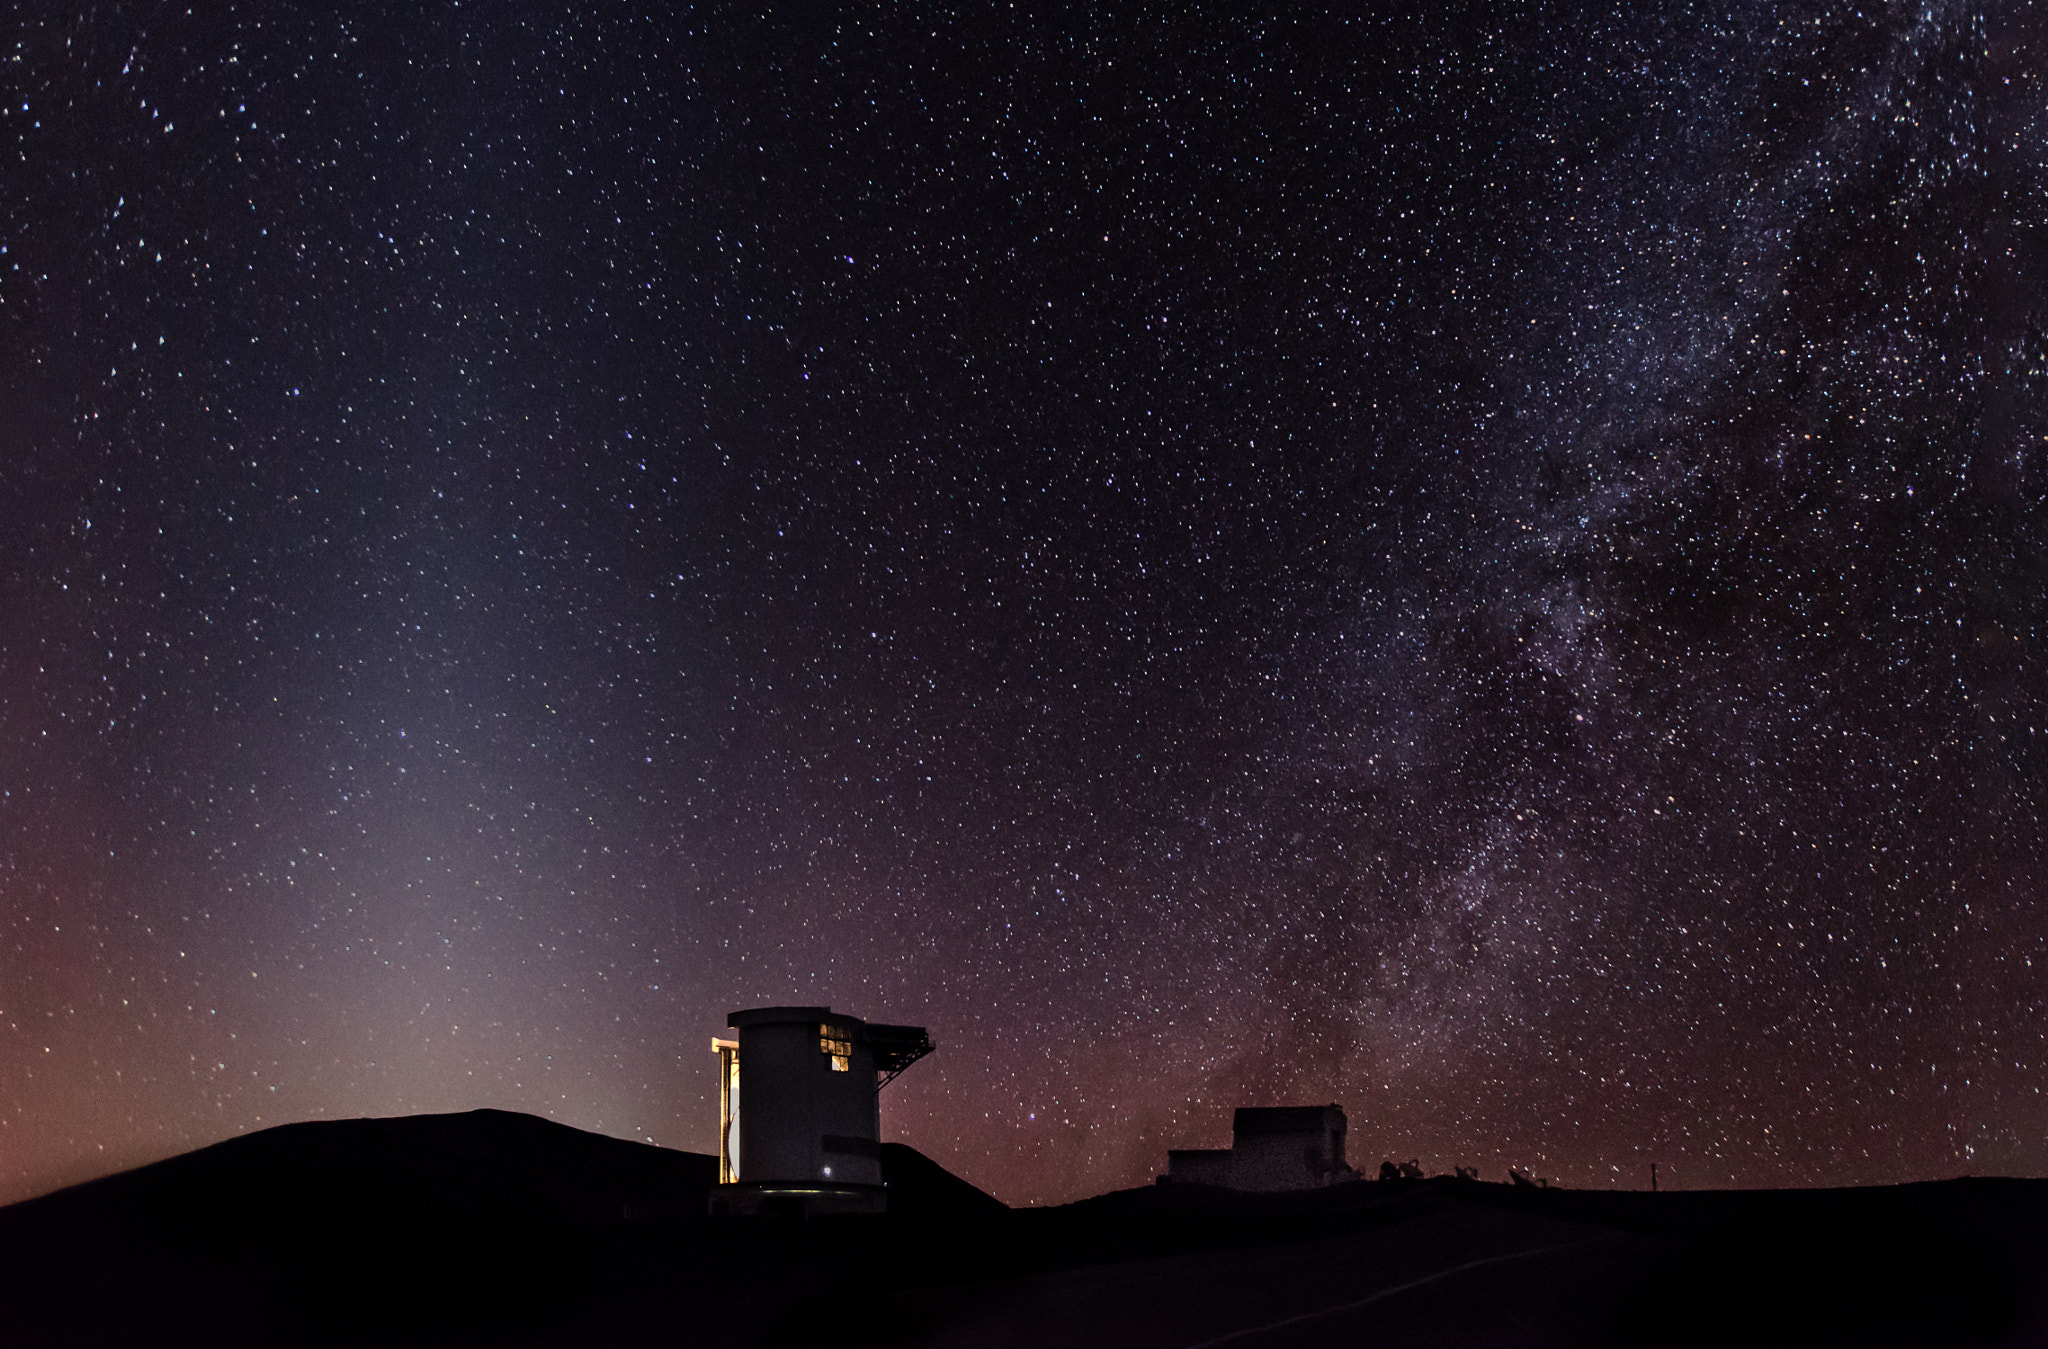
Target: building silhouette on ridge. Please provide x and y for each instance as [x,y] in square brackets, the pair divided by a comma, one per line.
[1293,1147]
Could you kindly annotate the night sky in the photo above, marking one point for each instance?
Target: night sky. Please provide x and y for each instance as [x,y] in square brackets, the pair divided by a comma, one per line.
[1491,568]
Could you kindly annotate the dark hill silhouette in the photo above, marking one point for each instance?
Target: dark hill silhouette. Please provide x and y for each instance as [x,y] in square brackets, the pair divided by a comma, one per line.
[484,1161]
[332,1228]
[488,1223]
[921,1189]
[491,1228]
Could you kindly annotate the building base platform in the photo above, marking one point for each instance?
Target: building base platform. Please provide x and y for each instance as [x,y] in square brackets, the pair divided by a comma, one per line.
[795,1199]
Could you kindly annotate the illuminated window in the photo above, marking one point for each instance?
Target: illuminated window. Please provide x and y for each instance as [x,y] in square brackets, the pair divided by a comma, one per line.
[836,1043]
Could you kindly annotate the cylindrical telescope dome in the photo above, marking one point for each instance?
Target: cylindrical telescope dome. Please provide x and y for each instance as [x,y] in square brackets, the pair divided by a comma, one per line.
[811,1113]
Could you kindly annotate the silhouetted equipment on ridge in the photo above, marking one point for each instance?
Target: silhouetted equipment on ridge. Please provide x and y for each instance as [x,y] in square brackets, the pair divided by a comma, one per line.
[808,1140]
[1299,1147]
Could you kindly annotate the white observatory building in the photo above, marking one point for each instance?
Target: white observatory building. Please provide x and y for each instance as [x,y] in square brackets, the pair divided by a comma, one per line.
[1295,1147]
[808,1141]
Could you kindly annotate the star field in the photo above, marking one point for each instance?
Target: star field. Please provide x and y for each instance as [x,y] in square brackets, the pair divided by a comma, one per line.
[1489,568]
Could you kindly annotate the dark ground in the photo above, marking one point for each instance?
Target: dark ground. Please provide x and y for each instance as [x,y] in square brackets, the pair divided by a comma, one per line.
[492,1228]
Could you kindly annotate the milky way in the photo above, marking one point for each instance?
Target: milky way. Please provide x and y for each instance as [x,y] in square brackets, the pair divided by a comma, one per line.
[1487,569]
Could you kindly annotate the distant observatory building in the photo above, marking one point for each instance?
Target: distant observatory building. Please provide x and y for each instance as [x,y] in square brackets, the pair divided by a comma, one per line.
[1295,1147]
[809,1138]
